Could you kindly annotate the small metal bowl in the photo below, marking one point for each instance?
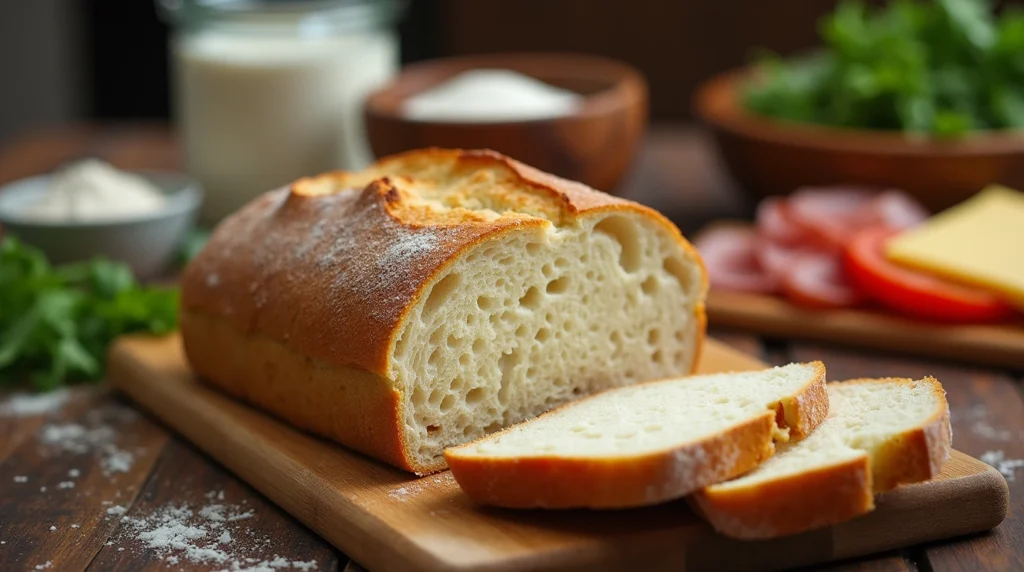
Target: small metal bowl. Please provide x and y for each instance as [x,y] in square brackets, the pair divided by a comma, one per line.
[147,244]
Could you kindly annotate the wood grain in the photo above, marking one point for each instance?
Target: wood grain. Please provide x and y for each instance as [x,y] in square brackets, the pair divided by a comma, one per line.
[184,477]
[387,520]
[987,415]
[997,345]
[28,510]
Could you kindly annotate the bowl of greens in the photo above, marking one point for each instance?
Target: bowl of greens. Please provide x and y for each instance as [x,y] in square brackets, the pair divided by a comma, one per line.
[926,96]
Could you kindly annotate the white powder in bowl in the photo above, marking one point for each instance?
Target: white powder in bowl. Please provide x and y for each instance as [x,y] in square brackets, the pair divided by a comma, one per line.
[490,96]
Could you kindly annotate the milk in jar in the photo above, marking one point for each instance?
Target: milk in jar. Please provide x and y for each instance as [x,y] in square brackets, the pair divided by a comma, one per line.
[268,92]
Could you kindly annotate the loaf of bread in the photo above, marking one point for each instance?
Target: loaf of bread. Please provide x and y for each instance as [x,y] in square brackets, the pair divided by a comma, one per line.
[879,433]
[437,297]
[644,444]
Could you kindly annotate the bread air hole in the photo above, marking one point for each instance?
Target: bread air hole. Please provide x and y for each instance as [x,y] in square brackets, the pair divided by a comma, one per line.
[436,396]
[531,299]
[558,286]
[485,303]
[448,402]
[653,336]
[419,396]
[650,286]
[506,364]
[441,292]
[624,232]
[676,268]
[475,395]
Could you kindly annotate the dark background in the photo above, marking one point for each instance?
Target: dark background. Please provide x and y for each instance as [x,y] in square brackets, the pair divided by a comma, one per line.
[676,43]
[75,60]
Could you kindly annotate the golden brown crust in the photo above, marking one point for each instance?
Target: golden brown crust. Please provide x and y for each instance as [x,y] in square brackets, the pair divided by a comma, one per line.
[791,504]
[560,482]
[616,482]
[347,405]
[827,495]
[918,454]
[306,265]
[329,267]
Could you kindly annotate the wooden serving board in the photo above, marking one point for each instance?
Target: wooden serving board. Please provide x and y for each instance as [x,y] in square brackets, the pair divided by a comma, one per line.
[998,345]
[388,520]
[986,344]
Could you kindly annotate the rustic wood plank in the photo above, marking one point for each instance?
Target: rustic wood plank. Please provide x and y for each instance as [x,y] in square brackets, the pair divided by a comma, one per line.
[987,413]
[96,452]
[888,562]
[986,344]
[388,520]
[185,477]
[16,426]
[746,343]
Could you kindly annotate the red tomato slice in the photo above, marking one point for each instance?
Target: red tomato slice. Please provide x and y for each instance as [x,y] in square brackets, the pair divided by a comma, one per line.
[915,293]
[817,281]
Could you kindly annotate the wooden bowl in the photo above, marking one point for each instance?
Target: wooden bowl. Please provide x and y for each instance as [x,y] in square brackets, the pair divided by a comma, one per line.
[771,157]
[595,145]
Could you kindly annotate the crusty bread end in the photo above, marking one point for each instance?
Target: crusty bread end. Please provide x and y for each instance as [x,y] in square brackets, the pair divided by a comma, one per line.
[778,500]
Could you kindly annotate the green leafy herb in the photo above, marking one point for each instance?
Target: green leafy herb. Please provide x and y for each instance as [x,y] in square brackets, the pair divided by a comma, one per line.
[943,68]
[56,322]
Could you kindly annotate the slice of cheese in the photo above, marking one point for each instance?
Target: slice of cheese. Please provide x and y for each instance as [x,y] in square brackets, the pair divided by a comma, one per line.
[979,242]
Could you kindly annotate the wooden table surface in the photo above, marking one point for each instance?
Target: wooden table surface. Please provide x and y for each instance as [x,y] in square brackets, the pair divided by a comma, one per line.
[43,519]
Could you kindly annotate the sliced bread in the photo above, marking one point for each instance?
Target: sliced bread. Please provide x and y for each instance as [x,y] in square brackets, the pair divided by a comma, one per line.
[878,434]
[643,444]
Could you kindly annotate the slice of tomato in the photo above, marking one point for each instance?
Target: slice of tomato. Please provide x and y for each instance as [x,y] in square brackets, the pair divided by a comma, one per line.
[915,293]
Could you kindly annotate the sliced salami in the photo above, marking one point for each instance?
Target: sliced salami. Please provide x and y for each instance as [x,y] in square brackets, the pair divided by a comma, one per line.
[818,281]
[731,263]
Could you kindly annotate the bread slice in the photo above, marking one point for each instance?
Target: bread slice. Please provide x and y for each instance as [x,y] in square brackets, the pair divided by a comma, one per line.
[879,433]
[435,297]
[643,444]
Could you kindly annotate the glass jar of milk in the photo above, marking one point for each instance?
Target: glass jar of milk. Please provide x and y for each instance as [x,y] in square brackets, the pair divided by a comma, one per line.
[269,91]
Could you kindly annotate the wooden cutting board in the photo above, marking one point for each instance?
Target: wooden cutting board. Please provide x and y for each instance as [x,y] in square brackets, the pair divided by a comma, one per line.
[1000,345]
[388,520]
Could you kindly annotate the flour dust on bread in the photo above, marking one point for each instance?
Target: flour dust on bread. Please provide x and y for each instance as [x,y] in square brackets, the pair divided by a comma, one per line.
[880,433]
[643,444]
[436,297]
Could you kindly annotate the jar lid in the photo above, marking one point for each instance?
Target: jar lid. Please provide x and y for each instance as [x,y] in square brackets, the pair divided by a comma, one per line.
[312,14]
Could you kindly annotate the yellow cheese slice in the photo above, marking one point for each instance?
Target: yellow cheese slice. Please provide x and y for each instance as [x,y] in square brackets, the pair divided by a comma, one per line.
[980,242]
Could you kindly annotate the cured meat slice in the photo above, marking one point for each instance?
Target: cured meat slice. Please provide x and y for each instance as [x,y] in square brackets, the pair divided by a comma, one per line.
[829,215]
[818,281]
[731,263]
[894,210]
[775,224]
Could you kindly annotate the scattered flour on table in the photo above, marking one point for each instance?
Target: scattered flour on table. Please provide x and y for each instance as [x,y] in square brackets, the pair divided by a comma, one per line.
[978,416]
[26,404]
[98,434]
[1008,467]
[214,534]
[21,479]
[48,564]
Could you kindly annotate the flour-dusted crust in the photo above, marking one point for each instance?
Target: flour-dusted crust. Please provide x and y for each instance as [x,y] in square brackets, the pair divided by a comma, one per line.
[551,481]
[297,302]
[832,493]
